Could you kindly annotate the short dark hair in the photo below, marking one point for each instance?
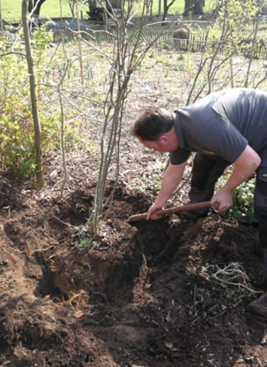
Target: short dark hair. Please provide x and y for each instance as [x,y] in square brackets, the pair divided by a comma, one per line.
[152,123]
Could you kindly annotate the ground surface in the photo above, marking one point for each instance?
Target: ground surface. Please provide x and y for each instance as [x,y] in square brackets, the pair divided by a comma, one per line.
[155,294]
[144,295]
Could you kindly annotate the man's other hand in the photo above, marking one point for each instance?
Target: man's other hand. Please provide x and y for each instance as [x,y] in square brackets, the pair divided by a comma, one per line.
[224,199]
[151,210]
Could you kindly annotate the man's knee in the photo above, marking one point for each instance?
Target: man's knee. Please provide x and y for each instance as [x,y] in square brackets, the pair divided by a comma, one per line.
[260,205]
[206,172]
[261,216]
[263,235]
[260,197]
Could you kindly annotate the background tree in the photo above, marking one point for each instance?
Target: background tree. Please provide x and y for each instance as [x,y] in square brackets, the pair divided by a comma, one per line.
[92,5]
[73,4]
[194,6]
[129,51]
[34,7]
[37,126]
[166,7]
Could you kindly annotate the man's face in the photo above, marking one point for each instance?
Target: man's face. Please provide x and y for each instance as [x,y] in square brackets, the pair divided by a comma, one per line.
[167,142]
[156,145]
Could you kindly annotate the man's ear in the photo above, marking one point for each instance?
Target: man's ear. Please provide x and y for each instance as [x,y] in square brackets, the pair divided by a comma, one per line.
[163,139]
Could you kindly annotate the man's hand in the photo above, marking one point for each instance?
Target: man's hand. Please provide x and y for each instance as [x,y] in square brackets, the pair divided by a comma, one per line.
[244,168]
[223,200]
[151,210]
[171,179]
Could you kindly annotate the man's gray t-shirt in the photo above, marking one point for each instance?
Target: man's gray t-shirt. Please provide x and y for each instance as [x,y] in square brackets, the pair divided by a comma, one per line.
[222,124]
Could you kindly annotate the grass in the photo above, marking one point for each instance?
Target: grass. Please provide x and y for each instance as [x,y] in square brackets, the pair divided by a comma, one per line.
[11,10]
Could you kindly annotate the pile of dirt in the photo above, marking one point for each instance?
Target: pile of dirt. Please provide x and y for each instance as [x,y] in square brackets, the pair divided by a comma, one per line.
[168,293]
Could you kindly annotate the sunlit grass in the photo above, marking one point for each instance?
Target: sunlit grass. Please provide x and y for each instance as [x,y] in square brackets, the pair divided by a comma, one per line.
[11,10]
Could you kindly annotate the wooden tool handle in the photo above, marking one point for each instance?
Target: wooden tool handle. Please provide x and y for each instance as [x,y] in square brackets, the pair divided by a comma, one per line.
[174,210]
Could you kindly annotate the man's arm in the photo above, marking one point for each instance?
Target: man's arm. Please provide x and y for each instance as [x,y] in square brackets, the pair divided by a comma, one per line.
[244,168]
[170,181]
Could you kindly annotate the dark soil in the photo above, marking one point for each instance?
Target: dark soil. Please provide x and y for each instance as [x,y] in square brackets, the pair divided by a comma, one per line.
[143,295]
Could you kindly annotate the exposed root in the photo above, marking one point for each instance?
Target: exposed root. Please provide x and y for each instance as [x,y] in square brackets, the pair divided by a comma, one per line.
[76,299]
[233,275]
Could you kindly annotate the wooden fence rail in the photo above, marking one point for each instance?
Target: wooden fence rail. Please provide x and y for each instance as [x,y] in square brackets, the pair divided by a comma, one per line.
[192,43]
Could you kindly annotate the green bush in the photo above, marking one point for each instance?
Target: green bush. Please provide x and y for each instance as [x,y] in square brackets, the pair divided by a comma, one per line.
[243,206]
[16,138]
[17,153]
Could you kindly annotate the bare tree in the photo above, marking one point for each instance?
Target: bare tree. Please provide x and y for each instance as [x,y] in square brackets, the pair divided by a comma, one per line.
[1,20]
[37,126]
[129,51]
[74,4]
[194,7]
[234,21]
[166,7]
[34,7]
[92,5]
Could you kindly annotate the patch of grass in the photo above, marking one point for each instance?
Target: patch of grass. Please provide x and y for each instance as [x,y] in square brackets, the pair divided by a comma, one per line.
[150,181]
[88,243]
[11,10]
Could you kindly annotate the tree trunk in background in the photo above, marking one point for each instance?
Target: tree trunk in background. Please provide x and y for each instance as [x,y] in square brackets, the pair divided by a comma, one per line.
[92,5]
[37,8]
[166,8]
[151,8]
[195,6]
[116,4]
[1,20]
[198,7]
[159,9]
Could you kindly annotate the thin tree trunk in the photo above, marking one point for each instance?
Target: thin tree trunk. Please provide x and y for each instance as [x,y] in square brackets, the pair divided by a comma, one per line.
[159,9]
[79,42]
[166,8]
[35,6]
[151,8]
[37,127]
[92,5]
[1,20]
